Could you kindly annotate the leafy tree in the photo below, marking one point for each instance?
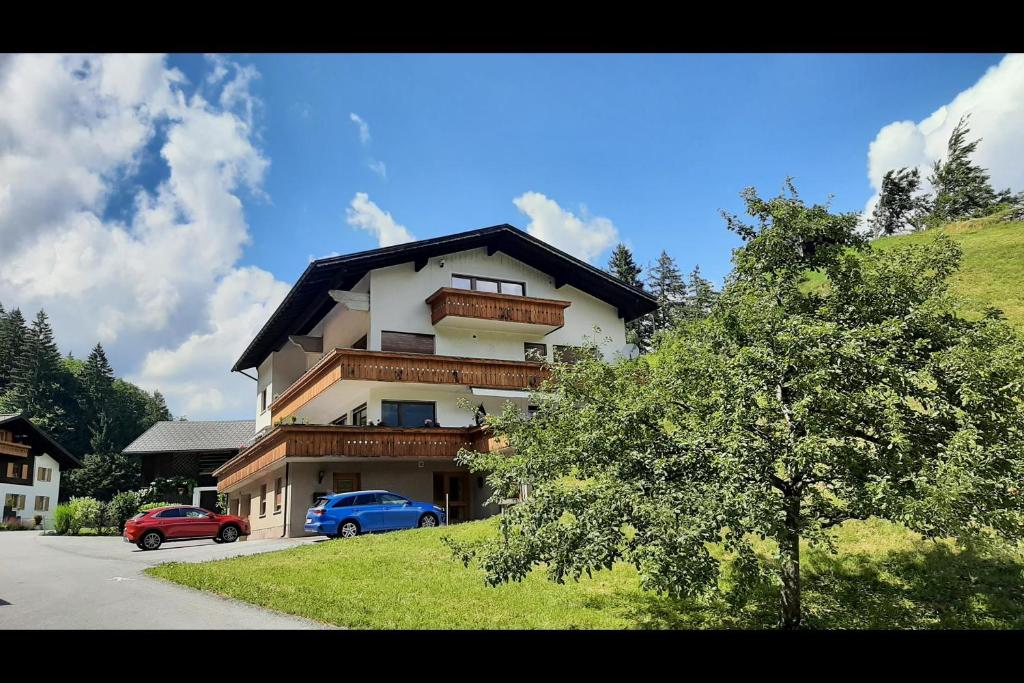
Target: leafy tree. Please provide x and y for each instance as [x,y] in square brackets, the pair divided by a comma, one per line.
[624,267]
[962,188]
[12,339]
[102,475]
[779,415]
[123,507]
[899,203]
[667,285]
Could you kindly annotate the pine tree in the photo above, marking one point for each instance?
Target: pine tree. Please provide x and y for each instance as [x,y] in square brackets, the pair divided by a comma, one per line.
[12,339]
[97,398]
[701,295]
[962,188]
[898,204]
[156,410]
[624,267]
[668,286]
[40,384]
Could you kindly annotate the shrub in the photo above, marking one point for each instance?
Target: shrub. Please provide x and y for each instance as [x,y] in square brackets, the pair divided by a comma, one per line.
[84,512]
[38,519]
[63,519]
[123,507]
[152,506]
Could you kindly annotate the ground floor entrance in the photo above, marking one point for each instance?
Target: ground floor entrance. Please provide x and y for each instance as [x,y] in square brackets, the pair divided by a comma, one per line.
[276,500]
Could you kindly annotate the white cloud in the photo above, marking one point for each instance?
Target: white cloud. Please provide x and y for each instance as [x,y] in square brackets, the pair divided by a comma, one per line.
[379,168]
[996,106]
[73,132]
[363,214]
[364,128]
[585,237]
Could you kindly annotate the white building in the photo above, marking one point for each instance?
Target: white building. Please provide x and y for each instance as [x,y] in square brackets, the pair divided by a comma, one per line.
[30,469]
[398,336]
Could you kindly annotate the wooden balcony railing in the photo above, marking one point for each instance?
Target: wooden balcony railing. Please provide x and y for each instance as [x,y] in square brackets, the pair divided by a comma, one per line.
[388,366]
[328,440]
[464,303]
[16,449]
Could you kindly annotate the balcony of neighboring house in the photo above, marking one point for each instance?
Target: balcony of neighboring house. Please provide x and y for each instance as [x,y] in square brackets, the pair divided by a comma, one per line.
[313,442]
[343,375]
[496,311]
[8,446]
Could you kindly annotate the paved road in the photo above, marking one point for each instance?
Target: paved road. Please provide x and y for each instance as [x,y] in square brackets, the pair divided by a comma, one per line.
[90,582]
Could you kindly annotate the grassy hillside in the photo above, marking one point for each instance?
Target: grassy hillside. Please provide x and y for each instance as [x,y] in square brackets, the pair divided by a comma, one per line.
[992,270]
[883,576]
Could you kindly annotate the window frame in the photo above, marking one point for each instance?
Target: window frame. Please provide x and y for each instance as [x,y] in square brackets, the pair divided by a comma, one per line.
[278,495]
[263,500]
[400,403]
[359,413]
[263,400]
[473,279]
[527,349]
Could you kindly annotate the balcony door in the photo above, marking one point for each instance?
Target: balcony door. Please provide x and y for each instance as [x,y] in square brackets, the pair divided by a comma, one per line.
[456,486]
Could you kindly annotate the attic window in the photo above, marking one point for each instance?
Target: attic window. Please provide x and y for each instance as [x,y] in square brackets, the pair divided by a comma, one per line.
[486,284]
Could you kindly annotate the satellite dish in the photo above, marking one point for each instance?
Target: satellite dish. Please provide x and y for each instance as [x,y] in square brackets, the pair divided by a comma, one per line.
[630,351]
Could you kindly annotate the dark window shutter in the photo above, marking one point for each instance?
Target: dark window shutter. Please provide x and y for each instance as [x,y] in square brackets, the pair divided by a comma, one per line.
[407,342]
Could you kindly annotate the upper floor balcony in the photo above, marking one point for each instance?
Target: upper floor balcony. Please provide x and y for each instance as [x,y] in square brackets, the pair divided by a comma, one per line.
[356,365]
[471,309]
[8,446]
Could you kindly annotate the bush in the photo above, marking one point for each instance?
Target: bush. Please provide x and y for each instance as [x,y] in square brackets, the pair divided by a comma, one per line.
[84,512]
[63,519]
[123,507]
[38,519]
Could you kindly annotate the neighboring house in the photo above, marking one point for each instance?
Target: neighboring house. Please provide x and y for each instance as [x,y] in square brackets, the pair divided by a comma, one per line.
[193,450]
[30,468]
[400,336]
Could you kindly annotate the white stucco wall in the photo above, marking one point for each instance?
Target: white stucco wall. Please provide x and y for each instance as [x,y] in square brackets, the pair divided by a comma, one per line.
[397,303]
[38,488]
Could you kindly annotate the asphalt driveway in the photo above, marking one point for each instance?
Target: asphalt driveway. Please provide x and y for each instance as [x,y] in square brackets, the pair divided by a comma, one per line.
[97,582]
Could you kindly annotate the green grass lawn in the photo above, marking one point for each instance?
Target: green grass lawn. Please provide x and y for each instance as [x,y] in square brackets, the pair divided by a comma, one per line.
[883,577]
[992,270]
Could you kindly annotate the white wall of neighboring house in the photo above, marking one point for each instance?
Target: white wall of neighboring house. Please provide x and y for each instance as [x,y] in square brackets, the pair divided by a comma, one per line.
[38,488]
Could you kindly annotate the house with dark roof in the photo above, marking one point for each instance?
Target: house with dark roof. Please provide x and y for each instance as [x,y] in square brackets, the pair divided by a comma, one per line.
[364,371]
[191,449]
[31,463]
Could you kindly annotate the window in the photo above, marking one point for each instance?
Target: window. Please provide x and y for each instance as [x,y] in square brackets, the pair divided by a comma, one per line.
[392,499]
[193,513]
[12,470]
[263,400]
[487,284]
[44,474]
[407,413]
[359,416]
[341,421]
[263,500]
[14,501]
[173,513]
[344,502]
[366,499]
[407,342]
[24,471]
[533,351]
[278,492]
[42,503]
[571,354]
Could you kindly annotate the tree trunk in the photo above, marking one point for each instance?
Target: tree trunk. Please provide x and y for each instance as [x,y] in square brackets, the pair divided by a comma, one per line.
[789,547]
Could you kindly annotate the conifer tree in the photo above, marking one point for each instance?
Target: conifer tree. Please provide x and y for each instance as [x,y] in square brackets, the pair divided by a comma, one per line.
[668,286]
[701,294]
[97,397]
[12,339]
[623,266]
[962,188]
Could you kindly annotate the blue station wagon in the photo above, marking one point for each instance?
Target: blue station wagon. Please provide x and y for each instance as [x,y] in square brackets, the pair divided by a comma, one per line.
[358,512]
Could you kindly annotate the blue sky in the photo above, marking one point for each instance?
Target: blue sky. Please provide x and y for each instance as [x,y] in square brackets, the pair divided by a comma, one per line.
[163,205]
[655,143]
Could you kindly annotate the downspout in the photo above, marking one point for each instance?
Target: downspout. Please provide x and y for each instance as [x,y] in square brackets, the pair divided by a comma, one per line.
[287,486]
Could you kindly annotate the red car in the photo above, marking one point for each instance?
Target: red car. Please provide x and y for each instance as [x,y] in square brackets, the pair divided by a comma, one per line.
[148,530]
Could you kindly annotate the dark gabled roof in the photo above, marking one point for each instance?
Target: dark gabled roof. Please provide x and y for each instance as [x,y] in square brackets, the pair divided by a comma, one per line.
[308,301]
[187,436]
[51,447]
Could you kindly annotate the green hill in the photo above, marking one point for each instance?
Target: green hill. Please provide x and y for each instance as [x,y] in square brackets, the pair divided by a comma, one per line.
[992,270]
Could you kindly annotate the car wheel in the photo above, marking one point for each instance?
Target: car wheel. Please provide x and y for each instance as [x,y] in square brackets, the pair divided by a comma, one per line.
[140,546]
[349,529]
[428,520]
[229,534]
[151,541]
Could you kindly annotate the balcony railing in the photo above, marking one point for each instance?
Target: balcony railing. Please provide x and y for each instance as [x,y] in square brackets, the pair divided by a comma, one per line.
[16,449]
[388,366]
[312,441]
[449,303]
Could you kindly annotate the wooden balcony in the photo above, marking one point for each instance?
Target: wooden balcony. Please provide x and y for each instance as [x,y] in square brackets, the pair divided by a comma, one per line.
[9,447]
[313,441]
[470,309]
[388,366]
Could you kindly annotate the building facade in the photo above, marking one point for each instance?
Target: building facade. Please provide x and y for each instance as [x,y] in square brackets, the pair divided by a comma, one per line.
[30,470]
[374,371]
